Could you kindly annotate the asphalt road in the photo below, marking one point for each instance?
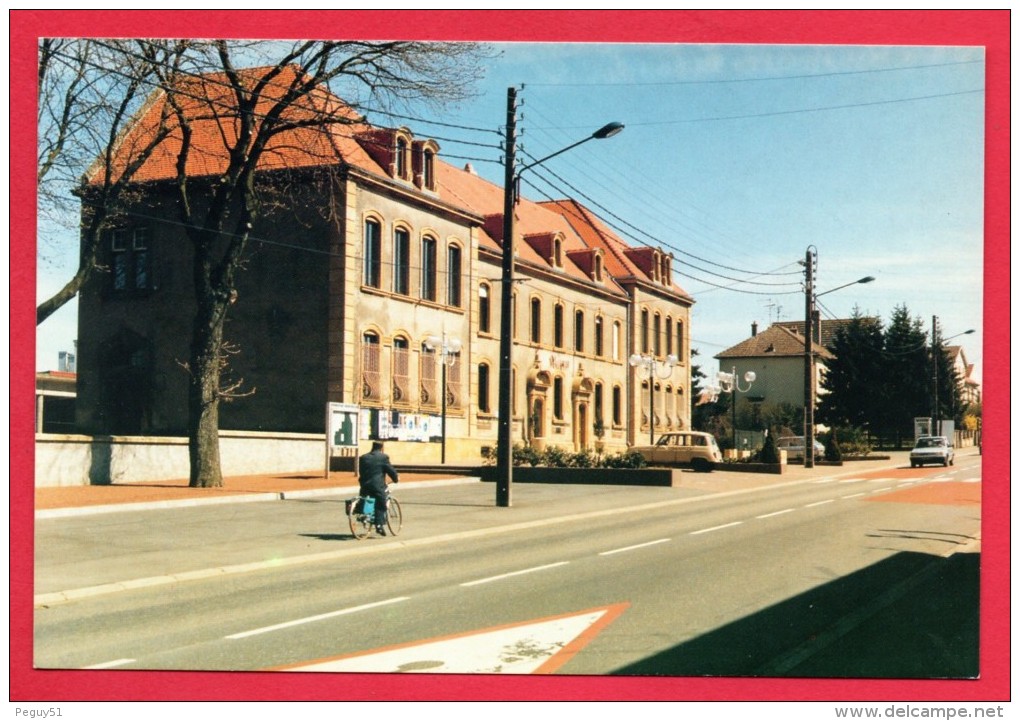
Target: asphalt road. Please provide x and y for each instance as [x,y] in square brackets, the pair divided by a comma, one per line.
[855,574]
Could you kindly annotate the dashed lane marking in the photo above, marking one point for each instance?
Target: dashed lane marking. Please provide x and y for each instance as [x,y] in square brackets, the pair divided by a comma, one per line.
[636,547]
[776,513]
[500,577]
[312,619]
[716,528]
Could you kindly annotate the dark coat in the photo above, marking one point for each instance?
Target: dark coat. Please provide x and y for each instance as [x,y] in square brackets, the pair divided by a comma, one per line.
[373,467]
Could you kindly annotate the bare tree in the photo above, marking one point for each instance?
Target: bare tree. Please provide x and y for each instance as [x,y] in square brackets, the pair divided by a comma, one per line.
[89,92]
[205,96]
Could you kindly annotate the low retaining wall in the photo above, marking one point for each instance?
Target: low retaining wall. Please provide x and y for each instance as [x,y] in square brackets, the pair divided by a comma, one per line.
[74,460]
[592,476]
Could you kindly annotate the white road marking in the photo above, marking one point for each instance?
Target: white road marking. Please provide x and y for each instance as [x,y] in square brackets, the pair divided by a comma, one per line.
[819,503]
[109,664]
[853,480]
[533,647]
[514,573]
[716,528]
[312,619]
[777,513]
[632,548]
[855,495]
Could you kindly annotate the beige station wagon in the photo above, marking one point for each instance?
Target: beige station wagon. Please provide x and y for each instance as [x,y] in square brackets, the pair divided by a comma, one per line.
[683,448]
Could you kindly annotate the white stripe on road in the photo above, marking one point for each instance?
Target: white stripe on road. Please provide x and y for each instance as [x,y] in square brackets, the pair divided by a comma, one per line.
[716,528]
[311,619]
[777,513]
[631,548]
[819,503]
[514,573]
[108,664]
[855,495]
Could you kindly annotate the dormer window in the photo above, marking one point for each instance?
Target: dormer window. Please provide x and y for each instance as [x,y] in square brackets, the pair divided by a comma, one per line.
[596,273]
[428,170]
[400,159]
[557,253]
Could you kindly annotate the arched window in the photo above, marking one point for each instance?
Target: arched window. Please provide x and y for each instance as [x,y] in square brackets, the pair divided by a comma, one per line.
[669,335]
[373,253]
[453,271]
[617,406]
[599,349]
[657,335]
[579,331]
[558,398]
[557,255]
[428,170]
[371,380]
[400,160]
[558,326]
[599,410]
[484,309]
[429,385]
[536,320]
[644,330]
[401,370]
[483,388]
[617,336]
[401,261]
[680,340]
[428,268]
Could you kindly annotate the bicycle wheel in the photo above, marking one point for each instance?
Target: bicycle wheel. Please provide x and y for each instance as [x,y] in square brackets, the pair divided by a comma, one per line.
[394,518]
[361,524]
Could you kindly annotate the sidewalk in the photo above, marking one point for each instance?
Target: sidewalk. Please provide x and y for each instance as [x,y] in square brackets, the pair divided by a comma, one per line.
[235,488]
[86,499]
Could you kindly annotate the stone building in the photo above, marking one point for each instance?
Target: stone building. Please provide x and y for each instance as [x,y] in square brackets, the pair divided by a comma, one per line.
[381,250]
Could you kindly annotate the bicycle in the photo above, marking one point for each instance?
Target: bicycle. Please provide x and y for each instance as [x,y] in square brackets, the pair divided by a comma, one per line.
[362,520]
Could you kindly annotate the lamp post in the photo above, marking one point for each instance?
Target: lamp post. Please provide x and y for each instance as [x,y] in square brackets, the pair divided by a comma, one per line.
[448,349]
[935,427]
[809,360]
[731,381]
[511,178]
[651,365]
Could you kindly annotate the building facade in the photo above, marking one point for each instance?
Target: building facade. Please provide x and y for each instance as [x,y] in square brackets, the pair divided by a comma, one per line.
[348,293]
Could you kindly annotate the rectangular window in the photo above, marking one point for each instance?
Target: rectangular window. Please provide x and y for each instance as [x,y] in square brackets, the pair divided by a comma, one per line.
[401,261]
[453,276]
[131,266]
[372,253]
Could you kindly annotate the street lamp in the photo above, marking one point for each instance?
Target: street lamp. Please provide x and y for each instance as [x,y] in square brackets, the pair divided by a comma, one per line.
[651,365]
[448,349]
[511,178]
[935,427]
[731,382]
[809,360]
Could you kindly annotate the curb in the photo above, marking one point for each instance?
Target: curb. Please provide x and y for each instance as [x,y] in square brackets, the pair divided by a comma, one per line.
[50,513]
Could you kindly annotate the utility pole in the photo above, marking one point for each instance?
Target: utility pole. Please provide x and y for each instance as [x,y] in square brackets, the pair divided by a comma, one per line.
[809,369]
[504,442]
[935,431]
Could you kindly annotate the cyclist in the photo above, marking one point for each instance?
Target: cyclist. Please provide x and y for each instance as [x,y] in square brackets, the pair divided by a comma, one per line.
[373,467]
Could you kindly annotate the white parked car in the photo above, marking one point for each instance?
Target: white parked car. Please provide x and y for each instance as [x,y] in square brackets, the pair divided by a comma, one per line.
[932,449]
[683,448]
[794,447]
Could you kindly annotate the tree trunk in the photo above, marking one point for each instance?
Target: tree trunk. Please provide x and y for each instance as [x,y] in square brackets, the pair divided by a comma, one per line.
[204,400]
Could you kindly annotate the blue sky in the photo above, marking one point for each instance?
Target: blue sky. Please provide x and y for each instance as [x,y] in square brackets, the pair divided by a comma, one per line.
[736,159]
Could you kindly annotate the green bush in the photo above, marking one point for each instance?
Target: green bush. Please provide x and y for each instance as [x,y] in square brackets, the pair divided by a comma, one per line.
[769,453]
[526,455]
[832,451]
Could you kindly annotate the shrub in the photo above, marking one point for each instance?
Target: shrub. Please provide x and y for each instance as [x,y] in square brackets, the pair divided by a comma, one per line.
[769,453]
[526,455]
[832,451]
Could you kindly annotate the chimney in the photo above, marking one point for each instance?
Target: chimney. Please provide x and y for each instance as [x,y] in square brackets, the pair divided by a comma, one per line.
[754,329]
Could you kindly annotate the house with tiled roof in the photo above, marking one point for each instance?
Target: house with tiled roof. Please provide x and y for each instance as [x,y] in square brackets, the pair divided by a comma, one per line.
[776,356]
[374,247]
[970,387]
